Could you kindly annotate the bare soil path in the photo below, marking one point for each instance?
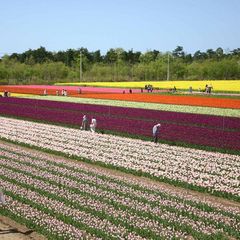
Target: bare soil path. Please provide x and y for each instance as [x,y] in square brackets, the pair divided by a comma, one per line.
[11,230]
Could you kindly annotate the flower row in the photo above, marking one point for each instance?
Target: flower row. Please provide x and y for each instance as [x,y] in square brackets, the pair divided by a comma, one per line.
[29,179]
[226,136]
[135,113]
[212,171]
[226,112]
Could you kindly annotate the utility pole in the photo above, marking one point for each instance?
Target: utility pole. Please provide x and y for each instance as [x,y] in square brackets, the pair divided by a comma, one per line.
[80,70]
[168,70]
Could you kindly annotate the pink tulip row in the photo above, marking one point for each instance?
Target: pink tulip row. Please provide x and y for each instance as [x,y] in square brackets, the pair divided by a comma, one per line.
[81,171]
[121,200]
[41,219]
[23,163]
[74,89]
[95,205]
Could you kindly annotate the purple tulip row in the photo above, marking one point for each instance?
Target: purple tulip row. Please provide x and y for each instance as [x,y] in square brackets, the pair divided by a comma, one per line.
[220,122]
[189,133]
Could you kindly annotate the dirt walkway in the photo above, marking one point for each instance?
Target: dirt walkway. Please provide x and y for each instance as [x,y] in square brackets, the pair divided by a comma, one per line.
[11,230]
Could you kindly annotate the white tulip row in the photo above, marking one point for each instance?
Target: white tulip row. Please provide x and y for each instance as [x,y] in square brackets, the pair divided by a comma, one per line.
[92,221]
[106,194]
[103,177]
[49,223]
[40,172]
[216,171]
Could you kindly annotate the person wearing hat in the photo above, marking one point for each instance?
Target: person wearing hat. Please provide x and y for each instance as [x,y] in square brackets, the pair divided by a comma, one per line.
[156,130]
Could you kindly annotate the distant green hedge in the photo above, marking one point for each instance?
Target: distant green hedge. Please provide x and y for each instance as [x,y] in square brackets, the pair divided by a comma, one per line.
[3,82]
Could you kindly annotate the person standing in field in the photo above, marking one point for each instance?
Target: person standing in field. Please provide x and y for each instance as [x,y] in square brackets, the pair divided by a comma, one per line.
[210,88]
[156,130]
[93,125]
[190,89]
[84,123]
[206,88]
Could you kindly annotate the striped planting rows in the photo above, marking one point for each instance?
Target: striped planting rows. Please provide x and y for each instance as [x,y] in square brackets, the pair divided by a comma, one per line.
[221,132]
[226,112]
[73,201]
[116,94]
[213,172]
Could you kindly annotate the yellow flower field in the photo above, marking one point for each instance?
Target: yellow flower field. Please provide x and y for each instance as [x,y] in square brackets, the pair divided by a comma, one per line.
[218,85]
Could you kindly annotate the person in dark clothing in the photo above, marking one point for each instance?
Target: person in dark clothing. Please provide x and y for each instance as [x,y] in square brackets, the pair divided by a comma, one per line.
[84,123]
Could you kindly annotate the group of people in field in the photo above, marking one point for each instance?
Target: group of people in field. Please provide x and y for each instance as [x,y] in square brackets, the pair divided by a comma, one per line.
[5,94]
[208,88]
[92,125]
[63,92]
[85,126]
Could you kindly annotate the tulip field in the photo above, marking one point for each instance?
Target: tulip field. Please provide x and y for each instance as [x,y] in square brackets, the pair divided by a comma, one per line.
[218,85]
[70,184]
[64,199]
[199,129]
[205,171]
[117,94]
[203,101]
[227,112]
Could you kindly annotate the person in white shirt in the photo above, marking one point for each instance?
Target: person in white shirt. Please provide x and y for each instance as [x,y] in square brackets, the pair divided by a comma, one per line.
[93,125]
[156,130]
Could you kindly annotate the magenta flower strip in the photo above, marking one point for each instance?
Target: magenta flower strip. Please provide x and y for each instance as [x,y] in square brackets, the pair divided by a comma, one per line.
[182,127]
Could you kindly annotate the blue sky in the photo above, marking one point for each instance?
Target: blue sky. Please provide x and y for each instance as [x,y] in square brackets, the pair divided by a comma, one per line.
[140,25]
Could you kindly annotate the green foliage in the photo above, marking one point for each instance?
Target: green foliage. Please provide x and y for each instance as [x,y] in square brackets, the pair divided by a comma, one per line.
[43,67]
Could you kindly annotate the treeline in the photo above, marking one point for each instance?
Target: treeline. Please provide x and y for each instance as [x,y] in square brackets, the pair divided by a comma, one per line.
[41,66]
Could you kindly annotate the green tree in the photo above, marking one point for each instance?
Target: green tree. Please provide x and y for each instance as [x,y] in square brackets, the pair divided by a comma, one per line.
[178,52]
